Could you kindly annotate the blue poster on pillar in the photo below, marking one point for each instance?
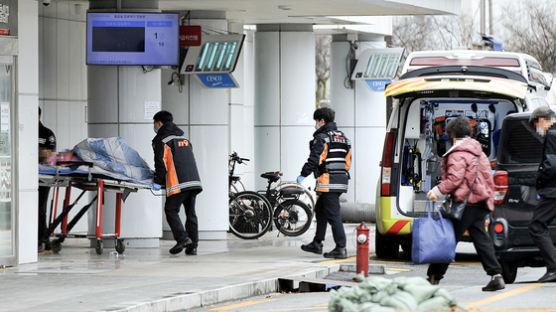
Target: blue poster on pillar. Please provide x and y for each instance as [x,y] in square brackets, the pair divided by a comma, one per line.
[378,84]
[220,80]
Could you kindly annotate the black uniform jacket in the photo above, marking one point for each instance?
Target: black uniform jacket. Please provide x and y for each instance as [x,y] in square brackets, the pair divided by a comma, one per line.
[329,160]
[174,162]
[47,139]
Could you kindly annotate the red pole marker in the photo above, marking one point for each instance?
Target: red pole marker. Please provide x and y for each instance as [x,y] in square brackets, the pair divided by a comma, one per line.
[363,249]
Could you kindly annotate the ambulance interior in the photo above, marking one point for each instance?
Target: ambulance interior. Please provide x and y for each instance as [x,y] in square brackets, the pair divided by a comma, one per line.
[425,140]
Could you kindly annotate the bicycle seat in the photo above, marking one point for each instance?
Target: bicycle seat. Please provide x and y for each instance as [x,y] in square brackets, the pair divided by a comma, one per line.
[289,192]
[235,178]
[271,176]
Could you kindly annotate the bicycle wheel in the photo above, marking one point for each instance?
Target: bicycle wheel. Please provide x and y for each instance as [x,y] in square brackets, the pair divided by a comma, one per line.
[308,198]
[293,217]
[250,215]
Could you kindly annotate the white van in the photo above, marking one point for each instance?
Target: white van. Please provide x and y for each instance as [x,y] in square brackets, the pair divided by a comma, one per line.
[424,100]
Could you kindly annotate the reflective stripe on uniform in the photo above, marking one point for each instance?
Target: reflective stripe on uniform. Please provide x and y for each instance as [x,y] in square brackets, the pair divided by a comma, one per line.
[333,150]
[171,137]
[184,185]
[333,186]
[335,159]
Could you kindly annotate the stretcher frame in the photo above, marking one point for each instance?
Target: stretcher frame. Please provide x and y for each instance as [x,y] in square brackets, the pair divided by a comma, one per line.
[85,182]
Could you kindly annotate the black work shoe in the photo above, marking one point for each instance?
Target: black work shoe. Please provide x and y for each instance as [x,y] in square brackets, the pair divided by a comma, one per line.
[496,283]
[40,247]
[312,247]
[180,246]
[432,280]
[336,253]
[549,276]
[191,250]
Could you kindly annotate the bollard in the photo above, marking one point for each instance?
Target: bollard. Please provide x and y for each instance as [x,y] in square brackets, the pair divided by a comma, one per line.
[363,249]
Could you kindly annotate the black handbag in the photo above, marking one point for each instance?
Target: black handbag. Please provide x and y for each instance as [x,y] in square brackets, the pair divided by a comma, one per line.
[453,209]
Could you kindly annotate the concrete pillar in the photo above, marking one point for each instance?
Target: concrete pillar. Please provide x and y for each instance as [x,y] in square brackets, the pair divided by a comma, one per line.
[117,96]
[284,98]
[361,114]
[27,128]
[242,134]
[203,114]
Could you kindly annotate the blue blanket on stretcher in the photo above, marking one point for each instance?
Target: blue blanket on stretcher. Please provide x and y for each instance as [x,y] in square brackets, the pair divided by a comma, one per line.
[113,157]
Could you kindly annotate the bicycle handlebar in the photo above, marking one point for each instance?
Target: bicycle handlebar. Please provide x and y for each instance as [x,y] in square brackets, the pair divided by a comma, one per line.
[235,157]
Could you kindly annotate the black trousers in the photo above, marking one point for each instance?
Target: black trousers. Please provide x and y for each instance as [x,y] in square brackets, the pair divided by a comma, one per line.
[473,220]
[544,214]
[43,203]
[327,210]
[172,209]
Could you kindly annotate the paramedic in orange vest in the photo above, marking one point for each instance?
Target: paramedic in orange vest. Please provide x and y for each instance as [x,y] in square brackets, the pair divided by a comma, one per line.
[329,161]
[176,170]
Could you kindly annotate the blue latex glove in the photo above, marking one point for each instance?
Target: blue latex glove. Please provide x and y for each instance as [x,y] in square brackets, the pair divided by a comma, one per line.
[300,179]
[155,186]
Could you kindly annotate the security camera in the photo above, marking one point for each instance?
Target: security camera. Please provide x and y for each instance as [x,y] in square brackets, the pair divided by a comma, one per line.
[46,2]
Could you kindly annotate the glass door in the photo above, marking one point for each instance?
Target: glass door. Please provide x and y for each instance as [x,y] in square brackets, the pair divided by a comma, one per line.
[7,212]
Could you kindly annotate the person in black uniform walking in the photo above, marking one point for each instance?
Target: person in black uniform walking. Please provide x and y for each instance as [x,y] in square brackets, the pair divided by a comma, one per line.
[176,169]
[47,147]
[329,161]
[544,120]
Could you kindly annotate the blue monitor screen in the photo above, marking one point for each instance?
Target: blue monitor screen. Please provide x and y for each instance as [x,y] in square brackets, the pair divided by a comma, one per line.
[132,39]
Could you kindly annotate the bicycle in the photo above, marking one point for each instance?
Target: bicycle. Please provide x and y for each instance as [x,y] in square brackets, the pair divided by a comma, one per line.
[235,181]
[292,217]
[251,213]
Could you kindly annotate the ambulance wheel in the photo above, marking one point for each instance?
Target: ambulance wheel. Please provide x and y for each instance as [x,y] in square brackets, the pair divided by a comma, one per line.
[56,246]
[386,247]
[509,271]
[99,246]
[120,247]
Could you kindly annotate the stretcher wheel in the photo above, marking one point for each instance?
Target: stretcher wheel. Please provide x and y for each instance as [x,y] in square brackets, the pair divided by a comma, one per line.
[56,246]
[120,247]
[99,246]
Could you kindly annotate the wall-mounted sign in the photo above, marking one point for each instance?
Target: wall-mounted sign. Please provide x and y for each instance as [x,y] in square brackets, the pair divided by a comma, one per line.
[217,54]
[8,17]
[377,64]
[190,36]
[218,80]
[378,85]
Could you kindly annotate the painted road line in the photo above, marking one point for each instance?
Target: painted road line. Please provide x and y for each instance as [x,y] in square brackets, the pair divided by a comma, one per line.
[350,259]
[398,269]
[390,262]
[465,262]
[504,295]
[239,305]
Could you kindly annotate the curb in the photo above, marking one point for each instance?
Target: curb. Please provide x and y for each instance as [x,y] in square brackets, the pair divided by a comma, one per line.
[200,298]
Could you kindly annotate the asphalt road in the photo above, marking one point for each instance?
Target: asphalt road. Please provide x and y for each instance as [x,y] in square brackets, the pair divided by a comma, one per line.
[463,280]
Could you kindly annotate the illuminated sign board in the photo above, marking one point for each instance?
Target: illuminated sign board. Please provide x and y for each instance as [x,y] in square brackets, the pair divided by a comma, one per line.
[377,64]
[217,54]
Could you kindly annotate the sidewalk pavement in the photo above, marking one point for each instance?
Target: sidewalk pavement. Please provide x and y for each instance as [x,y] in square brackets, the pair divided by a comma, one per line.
[77,279]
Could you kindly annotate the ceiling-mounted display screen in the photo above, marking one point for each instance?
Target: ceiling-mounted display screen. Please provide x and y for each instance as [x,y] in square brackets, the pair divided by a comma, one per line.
[378,64]
[217,54]
[132,39]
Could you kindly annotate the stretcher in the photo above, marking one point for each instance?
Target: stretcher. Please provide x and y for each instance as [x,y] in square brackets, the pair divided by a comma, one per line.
[69,177]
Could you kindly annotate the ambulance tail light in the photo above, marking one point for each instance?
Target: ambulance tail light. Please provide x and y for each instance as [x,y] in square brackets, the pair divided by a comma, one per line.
[500,186]
[386,163]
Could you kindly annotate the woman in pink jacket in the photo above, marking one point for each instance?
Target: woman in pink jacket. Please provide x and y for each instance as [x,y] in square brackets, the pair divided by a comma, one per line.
[459,170]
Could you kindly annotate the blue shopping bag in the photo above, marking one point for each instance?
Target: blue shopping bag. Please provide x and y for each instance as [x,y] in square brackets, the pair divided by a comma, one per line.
[434,240]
